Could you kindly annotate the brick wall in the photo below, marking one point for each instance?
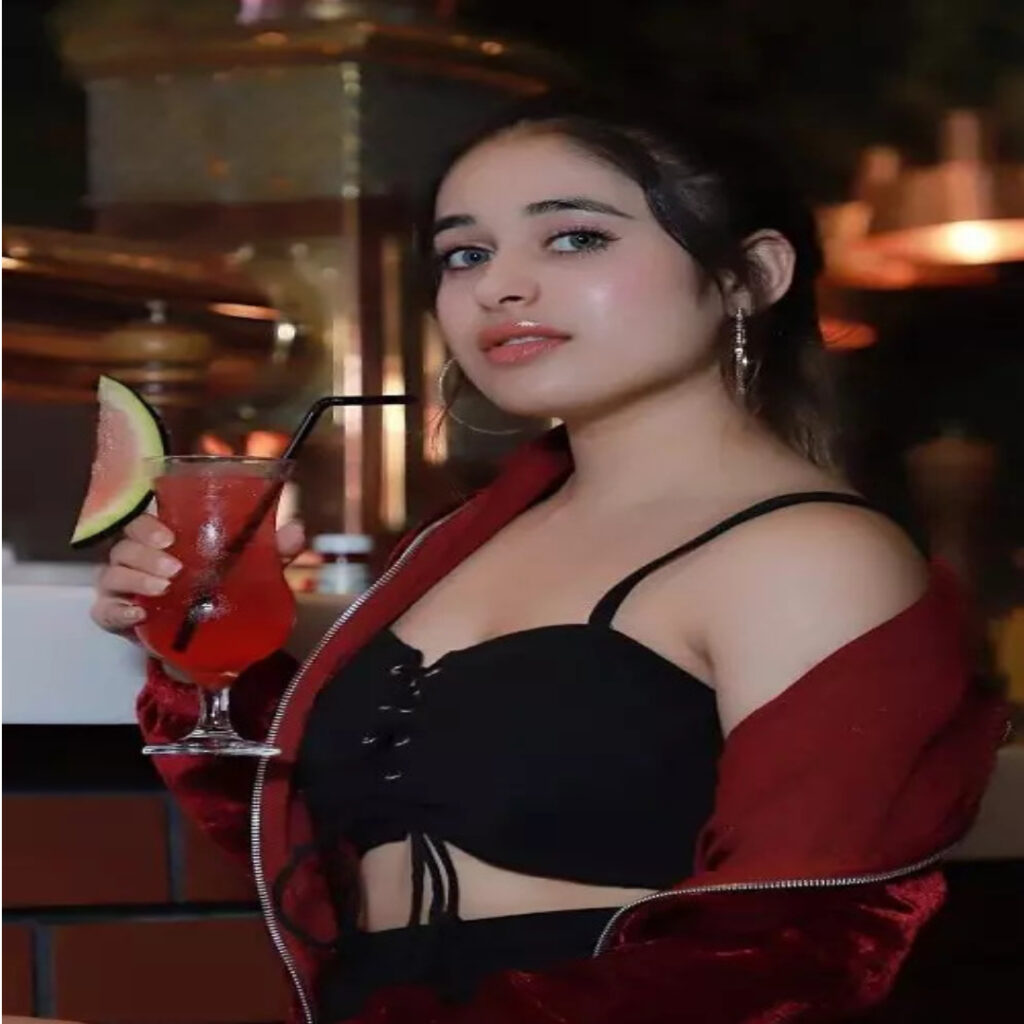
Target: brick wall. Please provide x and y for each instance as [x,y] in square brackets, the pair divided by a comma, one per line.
[118,911]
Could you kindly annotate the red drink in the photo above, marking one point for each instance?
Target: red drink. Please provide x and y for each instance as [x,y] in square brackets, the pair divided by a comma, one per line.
[230,605]
[249,610]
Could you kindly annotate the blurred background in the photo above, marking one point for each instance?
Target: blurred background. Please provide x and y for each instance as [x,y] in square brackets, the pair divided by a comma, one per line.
[215,201]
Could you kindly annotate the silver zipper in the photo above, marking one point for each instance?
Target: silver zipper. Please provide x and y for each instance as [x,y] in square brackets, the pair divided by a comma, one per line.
[782,883]
[255,824]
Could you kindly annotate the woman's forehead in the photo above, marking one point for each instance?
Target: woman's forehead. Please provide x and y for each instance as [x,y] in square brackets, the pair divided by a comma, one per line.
[513,170]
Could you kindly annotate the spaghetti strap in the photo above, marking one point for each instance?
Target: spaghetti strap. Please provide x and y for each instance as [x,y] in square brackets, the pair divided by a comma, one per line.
[606,609]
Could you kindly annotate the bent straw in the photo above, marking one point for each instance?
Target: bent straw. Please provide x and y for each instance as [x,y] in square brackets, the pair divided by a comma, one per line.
[238,543]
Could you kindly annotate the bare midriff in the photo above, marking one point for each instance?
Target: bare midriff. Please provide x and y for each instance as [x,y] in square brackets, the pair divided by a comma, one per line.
[484,889]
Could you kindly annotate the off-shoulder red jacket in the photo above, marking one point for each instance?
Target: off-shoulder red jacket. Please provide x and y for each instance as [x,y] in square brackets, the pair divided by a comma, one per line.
[813,876]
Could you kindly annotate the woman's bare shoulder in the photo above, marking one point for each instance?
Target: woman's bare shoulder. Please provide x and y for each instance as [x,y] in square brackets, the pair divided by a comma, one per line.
[795,586]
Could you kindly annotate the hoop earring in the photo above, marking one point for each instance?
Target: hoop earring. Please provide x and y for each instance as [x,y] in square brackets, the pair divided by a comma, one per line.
[449,407]
[743,370]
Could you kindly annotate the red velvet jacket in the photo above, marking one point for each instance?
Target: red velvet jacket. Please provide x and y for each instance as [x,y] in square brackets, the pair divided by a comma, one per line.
[812,878]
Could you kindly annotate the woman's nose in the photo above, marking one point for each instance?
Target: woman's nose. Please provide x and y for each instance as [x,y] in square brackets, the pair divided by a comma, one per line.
[504,283]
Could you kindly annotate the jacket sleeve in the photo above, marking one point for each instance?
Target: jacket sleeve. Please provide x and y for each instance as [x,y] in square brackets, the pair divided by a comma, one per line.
[214,791]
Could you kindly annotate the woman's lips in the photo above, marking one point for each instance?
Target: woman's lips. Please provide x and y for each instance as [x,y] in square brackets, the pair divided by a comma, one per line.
[520,330]
[504,344]
[521,350]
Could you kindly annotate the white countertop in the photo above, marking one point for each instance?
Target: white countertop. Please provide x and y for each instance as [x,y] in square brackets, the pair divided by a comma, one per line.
[60,669]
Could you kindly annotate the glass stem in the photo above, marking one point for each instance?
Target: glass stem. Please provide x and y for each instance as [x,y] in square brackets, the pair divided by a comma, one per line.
[213,714]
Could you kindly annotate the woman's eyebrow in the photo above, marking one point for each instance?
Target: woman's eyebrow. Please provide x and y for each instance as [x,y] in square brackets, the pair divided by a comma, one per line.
[583,203]
[456,220]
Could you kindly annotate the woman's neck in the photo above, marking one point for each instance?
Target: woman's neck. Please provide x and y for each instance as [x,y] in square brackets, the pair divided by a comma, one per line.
[688,444]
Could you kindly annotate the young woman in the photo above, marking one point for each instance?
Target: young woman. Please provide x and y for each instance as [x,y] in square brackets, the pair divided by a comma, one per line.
[668,662]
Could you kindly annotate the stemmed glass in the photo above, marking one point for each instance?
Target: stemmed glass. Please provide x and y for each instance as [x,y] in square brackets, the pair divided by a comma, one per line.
[230,605]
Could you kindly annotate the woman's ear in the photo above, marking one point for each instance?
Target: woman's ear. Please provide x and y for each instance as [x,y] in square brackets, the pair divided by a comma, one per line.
[772,262]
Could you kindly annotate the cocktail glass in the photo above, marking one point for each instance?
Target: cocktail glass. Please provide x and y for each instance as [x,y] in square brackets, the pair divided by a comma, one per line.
[230,605]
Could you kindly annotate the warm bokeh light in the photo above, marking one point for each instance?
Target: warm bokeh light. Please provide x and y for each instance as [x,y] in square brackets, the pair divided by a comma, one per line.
[846,334]
[243,311]
[265,444]
[984,241]
[258,444]
[957,243]
[435,437]
[211,444]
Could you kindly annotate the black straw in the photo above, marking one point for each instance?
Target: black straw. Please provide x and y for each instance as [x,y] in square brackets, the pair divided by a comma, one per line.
[238,543]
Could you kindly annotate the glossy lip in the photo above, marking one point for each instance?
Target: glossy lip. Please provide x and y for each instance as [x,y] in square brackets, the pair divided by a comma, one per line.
[490,337]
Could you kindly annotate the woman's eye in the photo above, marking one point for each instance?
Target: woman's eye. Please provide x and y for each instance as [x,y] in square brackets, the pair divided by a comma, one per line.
[580,241]
[463,259]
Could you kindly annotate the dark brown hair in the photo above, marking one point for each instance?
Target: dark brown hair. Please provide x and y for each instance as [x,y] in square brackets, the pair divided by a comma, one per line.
[711,183]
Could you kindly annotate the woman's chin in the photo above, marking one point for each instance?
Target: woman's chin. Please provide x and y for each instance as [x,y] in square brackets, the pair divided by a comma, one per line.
[542,400]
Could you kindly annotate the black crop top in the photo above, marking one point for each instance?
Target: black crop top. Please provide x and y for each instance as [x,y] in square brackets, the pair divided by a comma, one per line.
[564,751]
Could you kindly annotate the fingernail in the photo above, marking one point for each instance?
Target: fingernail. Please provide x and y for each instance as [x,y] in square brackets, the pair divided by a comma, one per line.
[162,539]
[156,586]
[134,613]
[169,566]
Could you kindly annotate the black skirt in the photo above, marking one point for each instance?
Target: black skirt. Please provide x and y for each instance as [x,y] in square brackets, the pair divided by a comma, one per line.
[452,956]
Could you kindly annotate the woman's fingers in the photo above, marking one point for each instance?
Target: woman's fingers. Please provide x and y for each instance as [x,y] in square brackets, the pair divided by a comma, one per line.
[137,567]
[136,555]
[147,529]
[291,539]
[115,614]
[122,581]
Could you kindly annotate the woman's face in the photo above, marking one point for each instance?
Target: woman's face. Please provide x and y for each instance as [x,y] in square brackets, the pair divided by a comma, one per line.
[560,295]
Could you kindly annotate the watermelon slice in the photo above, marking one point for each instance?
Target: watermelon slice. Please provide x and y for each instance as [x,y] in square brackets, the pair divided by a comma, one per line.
[129,431]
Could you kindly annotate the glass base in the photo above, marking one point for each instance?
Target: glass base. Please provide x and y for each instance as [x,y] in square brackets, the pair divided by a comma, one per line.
[218,743]
[214,734]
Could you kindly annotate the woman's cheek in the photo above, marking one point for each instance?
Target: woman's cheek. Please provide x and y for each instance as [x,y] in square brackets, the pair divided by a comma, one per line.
[633,295]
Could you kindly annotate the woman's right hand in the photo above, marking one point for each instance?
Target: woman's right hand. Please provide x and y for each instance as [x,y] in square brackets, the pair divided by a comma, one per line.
[139,565]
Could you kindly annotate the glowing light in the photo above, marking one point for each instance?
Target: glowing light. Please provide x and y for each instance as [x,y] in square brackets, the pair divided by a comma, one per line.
[245,312]
[265,444]
[965,242]
[973,241]
[211,444]
[435,436]
[847,334]
[492,48]
[393,496]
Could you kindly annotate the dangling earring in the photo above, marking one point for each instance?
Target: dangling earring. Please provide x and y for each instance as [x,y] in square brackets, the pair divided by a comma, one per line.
[450,407]
[741,361]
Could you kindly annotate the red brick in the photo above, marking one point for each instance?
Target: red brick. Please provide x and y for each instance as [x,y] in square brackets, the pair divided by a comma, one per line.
[17,997]
[209,874]
[212,970]
[87,849]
